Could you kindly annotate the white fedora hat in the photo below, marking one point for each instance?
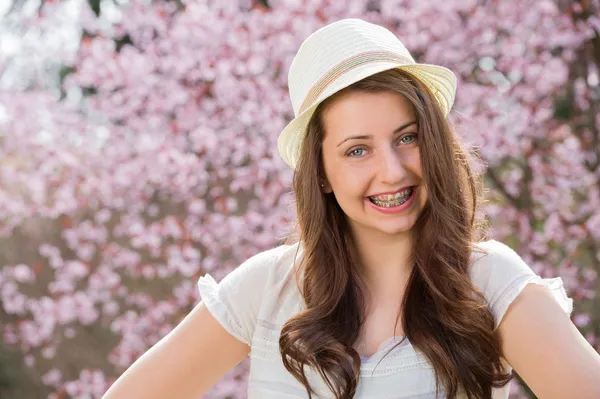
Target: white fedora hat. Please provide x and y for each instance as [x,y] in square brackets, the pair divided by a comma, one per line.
[340,54]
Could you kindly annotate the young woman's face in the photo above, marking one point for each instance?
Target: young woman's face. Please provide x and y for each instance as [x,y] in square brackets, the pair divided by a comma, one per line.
[372,161]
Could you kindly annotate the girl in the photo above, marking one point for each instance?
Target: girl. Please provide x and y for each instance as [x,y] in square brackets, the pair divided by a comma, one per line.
[391,290]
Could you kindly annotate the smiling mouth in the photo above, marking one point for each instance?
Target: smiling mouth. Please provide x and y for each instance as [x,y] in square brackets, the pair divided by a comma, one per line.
[392,200]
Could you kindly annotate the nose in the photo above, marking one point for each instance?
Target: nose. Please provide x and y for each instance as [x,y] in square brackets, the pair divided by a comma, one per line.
[392,167]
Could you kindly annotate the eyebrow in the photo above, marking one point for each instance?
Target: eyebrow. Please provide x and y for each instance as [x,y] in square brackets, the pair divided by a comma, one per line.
[364,137]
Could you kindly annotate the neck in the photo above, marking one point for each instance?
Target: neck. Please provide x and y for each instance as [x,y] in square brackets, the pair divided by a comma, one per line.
[385,260]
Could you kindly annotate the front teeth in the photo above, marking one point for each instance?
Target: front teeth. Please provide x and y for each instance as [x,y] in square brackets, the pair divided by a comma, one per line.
[392,199]
[389,204]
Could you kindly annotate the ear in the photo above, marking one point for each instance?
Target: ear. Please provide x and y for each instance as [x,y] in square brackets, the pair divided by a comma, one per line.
[326,187]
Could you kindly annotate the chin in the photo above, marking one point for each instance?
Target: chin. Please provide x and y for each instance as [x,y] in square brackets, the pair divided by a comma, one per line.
[394,230]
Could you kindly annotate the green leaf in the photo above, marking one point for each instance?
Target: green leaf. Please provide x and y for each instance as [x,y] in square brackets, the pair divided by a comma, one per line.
[64,72]
[563,108]
[95,6]
[122,41]
[538,225]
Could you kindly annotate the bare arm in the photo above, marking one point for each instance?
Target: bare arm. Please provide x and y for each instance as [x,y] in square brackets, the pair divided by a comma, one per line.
[545,348]
[184,364]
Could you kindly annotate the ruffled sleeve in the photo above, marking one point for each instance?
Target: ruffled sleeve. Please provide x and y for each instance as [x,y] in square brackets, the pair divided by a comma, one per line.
[503,274]
[235,301]
[218,305]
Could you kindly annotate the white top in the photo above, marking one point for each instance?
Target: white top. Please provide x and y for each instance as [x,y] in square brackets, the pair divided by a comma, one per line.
[254,301]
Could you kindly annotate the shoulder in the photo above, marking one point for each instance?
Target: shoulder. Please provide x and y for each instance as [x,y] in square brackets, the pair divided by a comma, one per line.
[262,268]
[495,259]
[274,262]
[236,300]
[501,274]
[498,250]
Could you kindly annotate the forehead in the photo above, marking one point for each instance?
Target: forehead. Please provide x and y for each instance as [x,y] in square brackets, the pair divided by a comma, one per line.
[366,113]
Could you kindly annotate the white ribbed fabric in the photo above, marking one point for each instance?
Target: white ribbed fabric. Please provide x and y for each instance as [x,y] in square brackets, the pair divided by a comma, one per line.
[342,53]
[255,300]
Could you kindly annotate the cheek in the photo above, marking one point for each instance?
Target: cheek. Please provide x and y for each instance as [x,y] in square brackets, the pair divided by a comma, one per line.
[415,162]
[356,180]
[424,195]
[350,184]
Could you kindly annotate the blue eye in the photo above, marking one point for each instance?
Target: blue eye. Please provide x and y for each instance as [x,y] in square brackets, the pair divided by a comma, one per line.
[413,135]
[353,153]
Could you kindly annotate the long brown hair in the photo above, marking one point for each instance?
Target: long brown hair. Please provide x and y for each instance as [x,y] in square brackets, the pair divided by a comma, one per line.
[444,314]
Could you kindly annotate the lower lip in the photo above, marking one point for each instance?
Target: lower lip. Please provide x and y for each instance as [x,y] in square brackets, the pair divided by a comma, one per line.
[394,209]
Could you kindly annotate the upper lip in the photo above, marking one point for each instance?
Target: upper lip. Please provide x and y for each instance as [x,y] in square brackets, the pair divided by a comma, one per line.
[391,192]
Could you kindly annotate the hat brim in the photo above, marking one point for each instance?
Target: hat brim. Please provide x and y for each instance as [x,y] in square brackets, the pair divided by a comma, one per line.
[440,80]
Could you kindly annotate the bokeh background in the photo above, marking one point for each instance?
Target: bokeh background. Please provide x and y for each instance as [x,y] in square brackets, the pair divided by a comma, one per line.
[137,152]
